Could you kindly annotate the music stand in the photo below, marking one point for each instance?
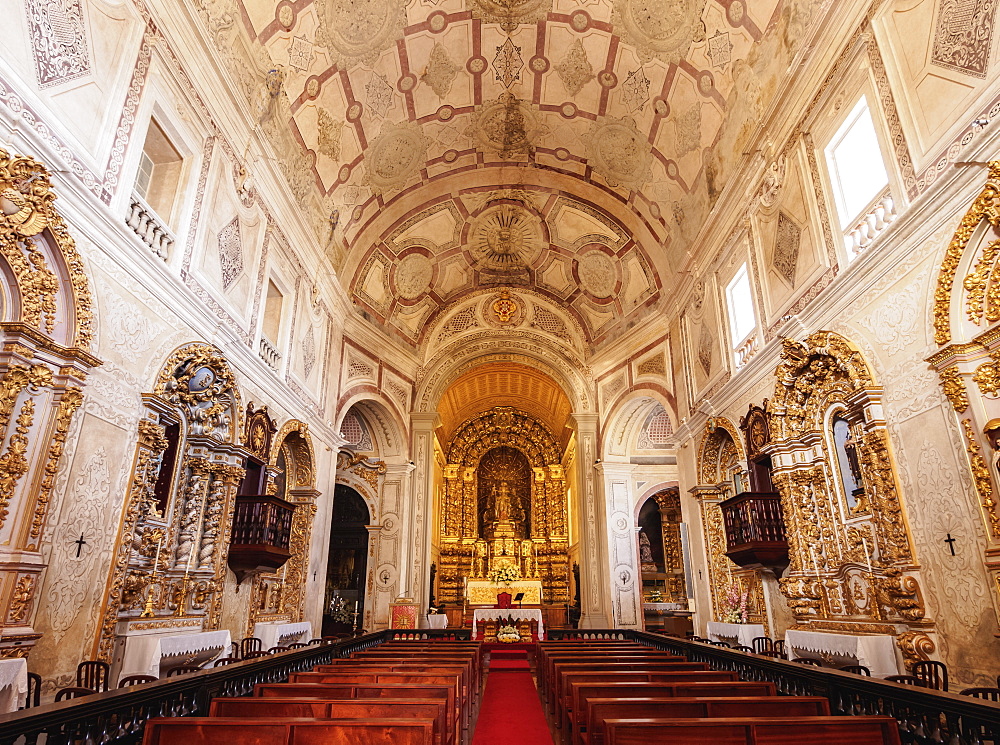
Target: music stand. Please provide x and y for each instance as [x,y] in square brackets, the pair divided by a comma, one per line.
[518,598]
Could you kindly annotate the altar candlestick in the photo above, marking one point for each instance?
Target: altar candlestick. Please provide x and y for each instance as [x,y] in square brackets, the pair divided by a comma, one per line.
[868,557]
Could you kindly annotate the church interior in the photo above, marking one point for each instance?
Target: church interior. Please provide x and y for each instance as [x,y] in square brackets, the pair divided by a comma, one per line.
[324,321]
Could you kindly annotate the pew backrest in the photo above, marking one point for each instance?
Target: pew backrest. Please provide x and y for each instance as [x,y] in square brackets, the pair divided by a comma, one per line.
[227,731]
[754,731]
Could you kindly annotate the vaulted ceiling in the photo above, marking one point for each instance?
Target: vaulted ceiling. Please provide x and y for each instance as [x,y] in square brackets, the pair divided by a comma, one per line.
[573,147]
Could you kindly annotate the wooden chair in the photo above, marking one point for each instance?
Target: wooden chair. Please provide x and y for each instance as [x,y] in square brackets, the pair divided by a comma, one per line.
[762,644]
[254,655]
[250,644]
[503,600]
[908,680]
[743,648]
[296,645]
[990,694]
[779,646]
[235,650]
[771,653]
[856,669]
[275,650]
[93,674]
[34,697]
[809,661]
[224,661]
[933,673]
[720,644]
[73,692]
[134,680]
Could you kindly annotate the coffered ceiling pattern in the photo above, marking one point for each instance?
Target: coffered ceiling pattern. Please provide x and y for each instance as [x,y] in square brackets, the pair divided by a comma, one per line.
[440,142]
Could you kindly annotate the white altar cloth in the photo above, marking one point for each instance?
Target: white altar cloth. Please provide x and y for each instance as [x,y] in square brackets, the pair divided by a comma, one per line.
[741,633]
[662,609]
[13,684]
[143,653]
[436,621]
[877,652]
[280,634]
[484,614]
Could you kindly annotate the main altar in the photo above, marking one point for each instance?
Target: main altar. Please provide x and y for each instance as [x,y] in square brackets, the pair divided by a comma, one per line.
[504,505]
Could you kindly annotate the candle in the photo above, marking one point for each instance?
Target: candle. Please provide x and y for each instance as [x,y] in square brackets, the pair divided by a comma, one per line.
[868,558]
[355,606]
[815,565]
[156,561]
[190,560]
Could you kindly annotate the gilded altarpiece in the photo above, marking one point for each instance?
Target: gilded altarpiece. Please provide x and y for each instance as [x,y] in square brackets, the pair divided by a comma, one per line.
[852,566]
[277,597]
[46,332]
[967,330]
[721,469]
[169,563]
[503,475]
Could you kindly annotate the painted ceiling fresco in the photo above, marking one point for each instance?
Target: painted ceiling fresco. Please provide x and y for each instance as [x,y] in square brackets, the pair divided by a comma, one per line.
[570,147]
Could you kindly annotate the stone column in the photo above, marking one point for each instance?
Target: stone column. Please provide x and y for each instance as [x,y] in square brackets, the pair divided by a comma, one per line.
[594,578]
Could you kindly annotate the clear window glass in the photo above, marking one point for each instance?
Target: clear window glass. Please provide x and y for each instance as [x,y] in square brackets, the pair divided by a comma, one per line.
[159,171]
[856,165]
[742,320]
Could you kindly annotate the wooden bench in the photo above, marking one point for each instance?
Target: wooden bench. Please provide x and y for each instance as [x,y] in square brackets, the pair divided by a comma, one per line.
[567,703]
[444,693]
[470,685]
[629,689]
[373,708]
[549,663]
[561,669]
[753,731]
[600,709]
[226,731]
[461,705]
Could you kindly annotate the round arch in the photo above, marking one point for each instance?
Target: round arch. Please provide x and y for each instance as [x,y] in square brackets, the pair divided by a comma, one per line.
[627,417]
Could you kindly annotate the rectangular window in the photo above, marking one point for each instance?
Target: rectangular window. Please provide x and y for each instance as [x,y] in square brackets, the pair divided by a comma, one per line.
[159,171]
[856,165]
[272,313]
[742,320]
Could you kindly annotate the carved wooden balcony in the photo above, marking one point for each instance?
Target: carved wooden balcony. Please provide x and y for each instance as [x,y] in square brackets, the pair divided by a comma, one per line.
[755,531]
[262,527]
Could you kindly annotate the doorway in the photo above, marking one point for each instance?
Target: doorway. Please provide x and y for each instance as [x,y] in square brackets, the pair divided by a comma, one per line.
[347,562]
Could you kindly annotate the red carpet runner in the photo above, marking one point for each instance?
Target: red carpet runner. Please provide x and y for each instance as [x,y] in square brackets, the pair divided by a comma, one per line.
[511,711]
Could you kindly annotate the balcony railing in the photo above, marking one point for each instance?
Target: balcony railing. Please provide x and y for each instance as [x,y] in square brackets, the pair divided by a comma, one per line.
[755,530]
[262,527]
[150,229]
[746,350]
[879,215]
[269,354]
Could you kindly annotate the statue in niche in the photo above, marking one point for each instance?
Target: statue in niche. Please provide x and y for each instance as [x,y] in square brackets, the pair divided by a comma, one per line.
[646,553]
[528,567]
[479,559]
[505,506]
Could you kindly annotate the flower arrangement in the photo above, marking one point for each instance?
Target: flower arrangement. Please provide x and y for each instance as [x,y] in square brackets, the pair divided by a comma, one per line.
[508,635]
[736,604]
[339,611]
[504,574]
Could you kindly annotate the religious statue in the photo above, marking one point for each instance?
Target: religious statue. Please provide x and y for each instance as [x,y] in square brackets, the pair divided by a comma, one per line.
[528,566]
[646,553]
[479,559]
[505,507]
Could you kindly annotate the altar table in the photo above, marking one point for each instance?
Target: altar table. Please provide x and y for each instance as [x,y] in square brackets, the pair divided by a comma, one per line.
[741,633]
[484,592]
[877,652]
[436,621]
[527,614]
[280,634]
[13,684]
[143,654]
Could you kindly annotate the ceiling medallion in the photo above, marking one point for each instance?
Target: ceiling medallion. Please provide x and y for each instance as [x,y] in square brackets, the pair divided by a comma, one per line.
[510,13]
[504,241]
[506,126]
[618,151]
[398,153]
[360,29]
[662,29]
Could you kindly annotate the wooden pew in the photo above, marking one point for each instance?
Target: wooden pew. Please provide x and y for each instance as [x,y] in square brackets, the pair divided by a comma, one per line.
[599,709]
[567,704]
[561,669]
[631,689]
[456,703]
[366,691]
[470,685]
[225,731]
[548,662]
[373,708]
[753,731]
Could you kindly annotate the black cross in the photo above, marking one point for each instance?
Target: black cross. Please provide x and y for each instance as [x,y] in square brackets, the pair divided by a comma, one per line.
[80,543]
[951,543]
